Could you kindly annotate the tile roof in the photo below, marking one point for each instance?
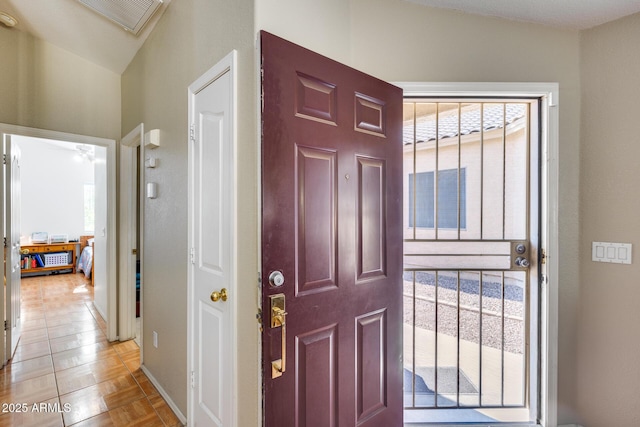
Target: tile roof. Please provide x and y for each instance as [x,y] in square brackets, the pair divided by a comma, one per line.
[469,122]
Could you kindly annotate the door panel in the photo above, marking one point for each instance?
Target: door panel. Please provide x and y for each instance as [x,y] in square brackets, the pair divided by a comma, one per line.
[211,204]
[317,204]
[371,218]
[371,364]
[210,169]
[101,236]
[12,227]
[317,377]
[211,339]
[331,223]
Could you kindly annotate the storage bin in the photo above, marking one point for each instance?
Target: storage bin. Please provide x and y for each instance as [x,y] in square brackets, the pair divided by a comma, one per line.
[57,259]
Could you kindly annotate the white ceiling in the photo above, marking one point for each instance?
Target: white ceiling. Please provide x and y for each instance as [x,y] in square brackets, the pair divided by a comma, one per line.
[73,27]
[572,14]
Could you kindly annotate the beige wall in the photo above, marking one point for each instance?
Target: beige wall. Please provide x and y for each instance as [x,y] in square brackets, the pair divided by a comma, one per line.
[608,347]
[401,41]
[46,87]
[192,36]
[322,26]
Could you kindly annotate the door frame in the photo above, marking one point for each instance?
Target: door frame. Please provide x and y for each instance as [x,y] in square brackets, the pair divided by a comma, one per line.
[128,231]
[110,145]
[228,64]
[549,93]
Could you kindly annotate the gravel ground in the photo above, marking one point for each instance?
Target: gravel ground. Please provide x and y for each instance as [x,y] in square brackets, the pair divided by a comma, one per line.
[447,295]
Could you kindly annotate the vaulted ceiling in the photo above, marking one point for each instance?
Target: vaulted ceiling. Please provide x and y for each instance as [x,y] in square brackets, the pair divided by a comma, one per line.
[72,26]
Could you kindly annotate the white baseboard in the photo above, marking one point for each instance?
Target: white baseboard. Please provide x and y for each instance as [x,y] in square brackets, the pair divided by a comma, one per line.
[164,395]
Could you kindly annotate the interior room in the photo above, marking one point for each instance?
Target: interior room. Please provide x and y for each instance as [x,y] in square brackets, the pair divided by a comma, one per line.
[72,221]
[84,87]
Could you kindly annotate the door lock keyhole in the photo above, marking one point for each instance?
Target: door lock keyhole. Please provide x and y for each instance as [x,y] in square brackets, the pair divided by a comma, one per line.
[276,279]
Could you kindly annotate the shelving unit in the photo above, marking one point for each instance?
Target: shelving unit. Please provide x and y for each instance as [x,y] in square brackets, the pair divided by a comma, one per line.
[28,253]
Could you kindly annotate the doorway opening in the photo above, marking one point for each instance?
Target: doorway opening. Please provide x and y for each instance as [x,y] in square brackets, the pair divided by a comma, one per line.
[132,155]
[70,207]
[472,256]
[63,205]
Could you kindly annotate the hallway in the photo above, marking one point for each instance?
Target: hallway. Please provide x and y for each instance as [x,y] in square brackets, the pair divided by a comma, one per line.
[64,360]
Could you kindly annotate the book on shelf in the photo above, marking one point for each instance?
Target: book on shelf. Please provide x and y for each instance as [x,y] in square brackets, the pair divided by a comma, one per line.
[31,261]
[27,262]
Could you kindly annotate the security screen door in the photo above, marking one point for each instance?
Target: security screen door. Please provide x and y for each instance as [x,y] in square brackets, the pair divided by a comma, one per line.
[471,227]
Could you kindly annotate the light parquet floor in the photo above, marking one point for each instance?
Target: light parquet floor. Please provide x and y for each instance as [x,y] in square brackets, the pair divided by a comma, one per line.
[66,373]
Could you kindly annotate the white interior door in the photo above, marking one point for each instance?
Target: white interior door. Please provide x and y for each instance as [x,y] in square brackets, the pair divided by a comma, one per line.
[12,233]
[211,233]
[101,235]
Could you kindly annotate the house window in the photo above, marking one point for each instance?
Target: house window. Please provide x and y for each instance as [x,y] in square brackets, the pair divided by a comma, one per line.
[89,207]
[447,199]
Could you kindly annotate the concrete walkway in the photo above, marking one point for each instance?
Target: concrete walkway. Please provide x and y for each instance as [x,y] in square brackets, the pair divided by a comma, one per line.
[486,377]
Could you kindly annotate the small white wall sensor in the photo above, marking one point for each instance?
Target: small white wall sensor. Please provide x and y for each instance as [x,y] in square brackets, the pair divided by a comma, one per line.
[152,138]
[152,190]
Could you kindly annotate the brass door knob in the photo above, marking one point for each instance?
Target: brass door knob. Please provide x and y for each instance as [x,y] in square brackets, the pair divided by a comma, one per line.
[222,295]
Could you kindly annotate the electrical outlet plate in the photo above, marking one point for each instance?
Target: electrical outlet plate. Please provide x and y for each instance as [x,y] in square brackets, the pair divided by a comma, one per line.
[616,253]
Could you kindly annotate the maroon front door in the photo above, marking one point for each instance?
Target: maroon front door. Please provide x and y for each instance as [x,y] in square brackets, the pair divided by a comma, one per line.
[331,242]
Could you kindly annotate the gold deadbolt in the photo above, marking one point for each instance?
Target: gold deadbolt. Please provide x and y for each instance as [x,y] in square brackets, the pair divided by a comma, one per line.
[222,295]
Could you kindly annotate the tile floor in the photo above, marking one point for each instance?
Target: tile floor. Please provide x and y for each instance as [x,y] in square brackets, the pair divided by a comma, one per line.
[66,373]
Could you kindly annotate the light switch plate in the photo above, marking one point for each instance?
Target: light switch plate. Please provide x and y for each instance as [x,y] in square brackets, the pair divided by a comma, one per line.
[617,253]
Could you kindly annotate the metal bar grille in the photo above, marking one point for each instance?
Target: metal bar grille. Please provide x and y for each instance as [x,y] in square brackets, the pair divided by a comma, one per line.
[435,371]
[527,324]
[504,168]
[454,365]
[458,335]
[502,341]
[414,173]
[481,171]
[413,335]
[436,173]
[480,340]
